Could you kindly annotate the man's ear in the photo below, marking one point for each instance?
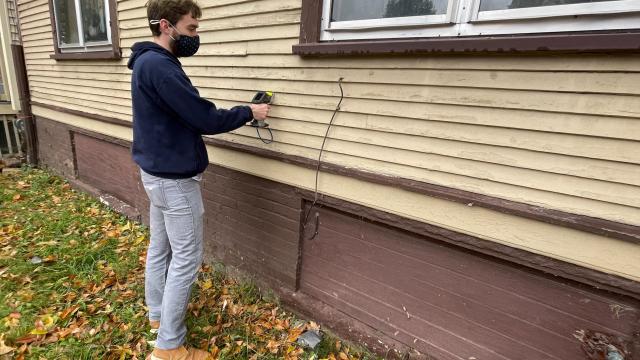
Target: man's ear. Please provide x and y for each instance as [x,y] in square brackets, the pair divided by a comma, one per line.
[164,25]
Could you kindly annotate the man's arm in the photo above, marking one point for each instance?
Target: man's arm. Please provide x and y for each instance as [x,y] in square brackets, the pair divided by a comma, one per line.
[201,114]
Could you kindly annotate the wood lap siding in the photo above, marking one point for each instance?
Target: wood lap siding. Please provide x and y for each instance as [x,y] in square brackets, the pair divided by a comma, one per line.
[252,223]
[447,302]
[561,132]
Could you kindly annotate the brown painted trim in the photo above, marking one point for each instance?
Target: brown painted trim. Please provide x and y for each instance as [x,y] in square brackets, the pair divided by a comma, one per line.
[584,223]
[114,54]
[92,55]
[564,43]
[102,118]
[25,106]
[115,30]
[99,136]
[310,22]
[597,279]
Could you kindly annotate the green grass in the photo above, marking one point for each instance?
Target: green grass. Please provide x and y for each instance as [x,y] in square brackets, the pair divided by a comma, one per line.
[71,287]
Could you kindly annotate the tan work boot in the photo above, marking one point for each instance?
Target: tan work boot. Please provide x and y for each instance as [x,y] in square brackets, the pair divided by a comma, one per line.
[179,354]
[155,325]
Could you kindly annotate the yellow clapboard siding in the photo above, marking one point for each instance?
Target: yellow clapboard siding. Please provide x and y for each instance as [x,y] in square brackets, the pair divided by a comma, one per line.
[215,3]
[80,97]
[249,8]
[227,49]
[95,67]
[27,39]
[282,46]
[27,5]
[611,83]
[130,4]
[592,63]
[278,46]
[453,116]
[464,136]
[598,148]
[386,139]
[589,147]
[36,9]
[542,81]
[249,20]
[456,144]
[36,31]
[568,185]
[34,42]
[120,92]
[39,49]
[128,37]
[231,10]
[105,78]
[599,104]
[59,102]
[89,106]
[132,13]
[566,63]
[37,24]
[238,22]
[37,56]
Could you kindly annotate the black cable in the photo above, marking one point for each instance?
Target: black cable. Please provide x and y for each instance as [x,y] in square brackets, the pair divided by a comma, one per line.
[260,137]
[324,140]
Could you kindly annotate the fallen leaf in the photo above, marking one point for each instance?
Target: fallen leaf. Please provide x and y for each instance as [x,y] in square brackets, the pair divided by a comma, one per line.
[22,185]
[27,339]
[4,349]
[69,311]
[207,285]
[16,197]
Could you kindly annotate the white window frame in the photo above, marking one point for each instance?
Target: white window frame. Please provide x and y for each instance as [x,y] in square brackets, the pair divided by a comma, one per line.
[83,46]
[463,18]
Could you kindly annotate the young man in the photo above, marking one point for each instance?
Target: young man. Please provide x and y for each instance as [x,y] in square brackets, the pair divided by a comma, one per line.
[169,119]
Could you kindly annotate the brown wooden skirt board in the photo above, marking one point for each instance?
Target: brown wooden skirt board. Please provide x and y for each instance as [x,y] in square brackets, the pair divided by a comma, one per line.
[455,300]
[458,264]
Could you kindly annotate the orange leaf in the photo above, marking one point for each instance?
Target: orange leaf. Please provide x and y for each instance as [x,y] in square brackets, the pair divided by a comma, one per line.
[27,339]
[68,311]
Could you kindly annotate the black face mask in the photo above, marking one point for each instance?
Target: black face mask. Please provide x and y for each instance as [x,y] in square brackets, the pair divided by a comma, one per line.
[185,46]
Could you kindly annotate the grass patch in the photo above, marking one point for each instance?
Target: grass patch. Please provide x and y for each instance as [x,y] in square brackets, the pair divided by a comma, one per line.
[72,287]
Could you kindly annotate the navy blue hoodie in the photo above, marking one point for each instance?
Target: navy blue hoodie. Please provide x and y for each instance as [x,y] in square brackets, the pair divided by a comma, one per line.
[170,117]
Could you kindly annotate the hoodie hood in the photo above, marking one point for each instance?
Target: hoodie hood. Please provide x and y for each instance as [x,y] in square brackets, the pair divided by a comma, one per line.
[143,47]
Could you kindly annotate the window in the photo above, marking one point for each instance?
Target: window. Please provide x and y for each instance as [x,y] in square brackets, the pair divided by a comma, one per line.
[84,29]
[384,19]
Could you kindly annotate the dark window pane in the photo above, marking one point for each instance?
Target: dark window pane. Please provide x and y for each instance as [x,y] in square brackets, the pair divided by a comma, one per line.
[345,10]
[94,20]
[488,5]
[66,22]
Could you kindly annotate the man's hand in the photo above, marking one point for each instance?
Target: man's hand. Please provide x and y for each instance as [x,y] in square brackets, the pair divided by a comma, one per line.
[260,111]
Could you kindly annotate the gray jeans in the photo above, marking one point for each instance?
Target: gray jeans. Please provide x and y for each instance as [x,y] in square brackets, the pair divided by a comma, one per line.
[175,253]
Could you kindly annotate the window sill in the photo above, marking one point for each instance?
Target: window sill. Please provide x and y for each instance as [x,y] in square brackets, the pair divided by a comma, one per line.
[96,55]
[560,43]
